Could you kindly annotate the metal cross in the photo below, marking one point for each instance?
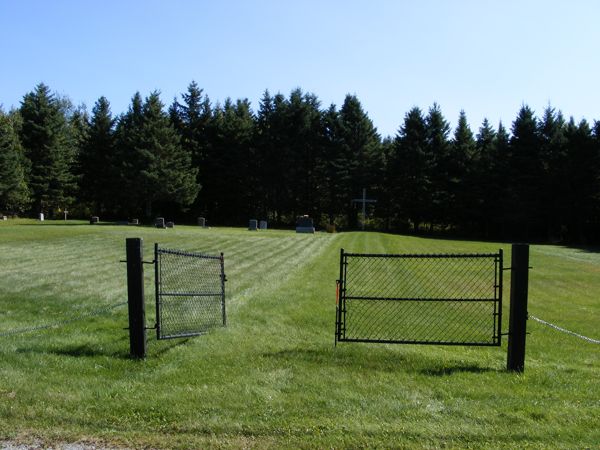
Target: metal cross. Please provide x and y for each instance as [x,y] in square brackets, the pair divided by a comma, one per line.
[364,200]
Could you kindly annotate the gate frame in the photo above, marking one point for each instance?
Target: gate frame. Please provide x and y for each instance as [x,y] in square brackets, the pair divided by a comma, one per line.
[340,329]
[158,294]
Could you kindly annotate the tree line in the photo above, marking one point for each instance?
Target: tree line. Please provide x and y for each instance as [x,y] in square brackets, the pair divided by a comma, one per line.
[540,179]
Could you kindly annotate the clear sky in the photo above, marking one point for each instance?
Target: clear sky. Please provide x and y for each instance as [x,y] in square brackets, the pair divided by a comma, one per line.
[486,57]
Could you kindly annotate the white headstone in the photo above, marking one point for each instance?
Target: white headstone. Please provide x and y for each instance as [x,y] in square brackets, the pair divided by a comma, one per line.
[94,219]
[201,222]
[41,217]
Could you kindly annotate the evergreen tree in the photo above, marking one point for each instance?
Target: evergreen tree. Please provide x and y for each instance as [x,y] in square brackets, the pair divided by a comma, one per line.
[483,181]
[333,169]
[553,153]
[192,119]
[460,173]
[583,168]
[155,170]
[409,172]
[500,181]
[526,175]
[439,166]
[166,174]
[100,178]
[14,192]
[128,134]
[362,145]
[46,140]
[228,191]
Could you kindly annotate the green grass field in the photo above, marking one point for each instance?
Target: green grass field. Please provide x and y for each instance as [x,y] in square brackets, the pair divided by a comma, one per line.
[272,378]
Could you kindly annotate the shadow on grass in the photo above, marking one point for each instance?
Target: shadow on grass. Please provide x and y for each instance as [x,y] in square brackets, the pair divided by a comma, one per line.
[91,351]
[451,370]
[76,351]
[409,362]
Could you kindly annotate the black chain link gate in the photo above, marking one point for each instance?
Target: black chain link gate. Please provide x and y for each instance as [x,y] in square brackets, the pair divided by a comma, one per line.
[190,292]
[448,299]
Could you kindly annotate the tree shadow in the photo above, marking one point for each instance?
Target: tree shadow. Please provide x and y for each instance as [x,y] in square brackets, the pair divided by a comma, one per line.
[451,370]
[409,362]
[77,351]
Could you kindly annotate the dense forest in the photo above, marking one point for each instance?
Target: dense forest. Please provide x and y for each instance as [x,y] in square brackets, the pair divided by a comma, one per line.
[538,180]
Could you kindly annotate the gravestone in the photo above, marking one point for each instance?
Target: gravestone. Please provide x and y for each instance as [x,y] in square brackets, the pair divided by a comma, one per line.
[4,218]
[170,225]
[305,224]
[94,219]
[253,224]
[262,225]
[134,222]
[160,222]
[201,222]
[41,217]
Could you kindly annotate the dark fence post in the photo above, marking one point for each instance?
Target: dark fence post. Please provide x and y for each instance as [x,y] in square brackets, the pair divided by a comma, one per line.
[517,326]
[135,297]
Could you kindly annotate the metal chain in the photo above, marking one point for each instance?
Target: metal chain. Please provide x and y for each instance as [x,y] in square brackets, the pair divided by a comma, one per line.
[556,327]
[96,312]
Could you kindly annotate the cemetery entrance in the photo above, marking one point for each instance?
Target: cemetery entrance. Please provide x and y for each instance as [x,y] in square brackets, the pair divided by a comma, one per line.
[448,299]
[190,292]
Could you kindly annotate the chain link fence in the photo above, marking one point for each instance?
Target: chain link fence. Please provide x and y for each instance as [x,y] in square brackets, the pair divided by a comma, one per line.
[190,293]
[421,299]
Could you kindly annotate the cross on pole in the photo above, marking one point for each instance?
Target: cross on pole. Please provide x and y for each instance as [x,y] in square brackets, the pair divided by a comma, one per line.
[364,200]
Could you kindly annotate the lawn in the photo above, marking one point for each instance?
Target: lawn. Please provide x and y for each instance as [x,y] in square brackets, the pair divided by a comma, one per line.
[273,378]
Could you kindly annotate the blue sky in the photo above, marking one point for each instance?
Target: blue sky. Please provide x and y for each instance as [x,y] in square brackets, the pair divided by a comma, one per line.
[486,57]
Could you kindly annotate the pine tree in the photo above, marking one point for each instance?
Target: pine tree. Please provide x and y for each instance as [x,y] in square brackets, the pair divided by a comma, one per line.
[98,161]
[46,140]
[438,154]
[166,174]
[553,152]
[14,192]
[362,145]
[526,175]
[409,172]
[583,168]
[128,199]
[229,189]
[461,187]
[483,181]
[333,170]
[192,119]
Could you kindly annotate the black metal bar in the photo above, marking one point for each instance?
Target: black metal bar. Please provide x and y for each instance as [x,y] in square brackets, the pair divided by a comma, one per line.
[338,300]
[182,335]
[185,253]
[190,294]
[500,290]
[343,294]
[223,289]
[157,288]
[135,297]
[423,299]
[423,255]
[384,341]
[517,327]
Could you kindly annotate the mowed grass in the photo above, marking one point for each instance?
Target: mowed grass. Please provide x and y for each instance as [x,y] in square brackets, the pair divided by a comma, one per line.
[272,377]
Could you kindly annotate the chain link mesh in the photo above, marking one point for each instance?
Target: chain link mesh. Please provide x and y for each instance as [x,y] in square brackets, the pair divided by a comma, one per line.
[190,293]
[442,299]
